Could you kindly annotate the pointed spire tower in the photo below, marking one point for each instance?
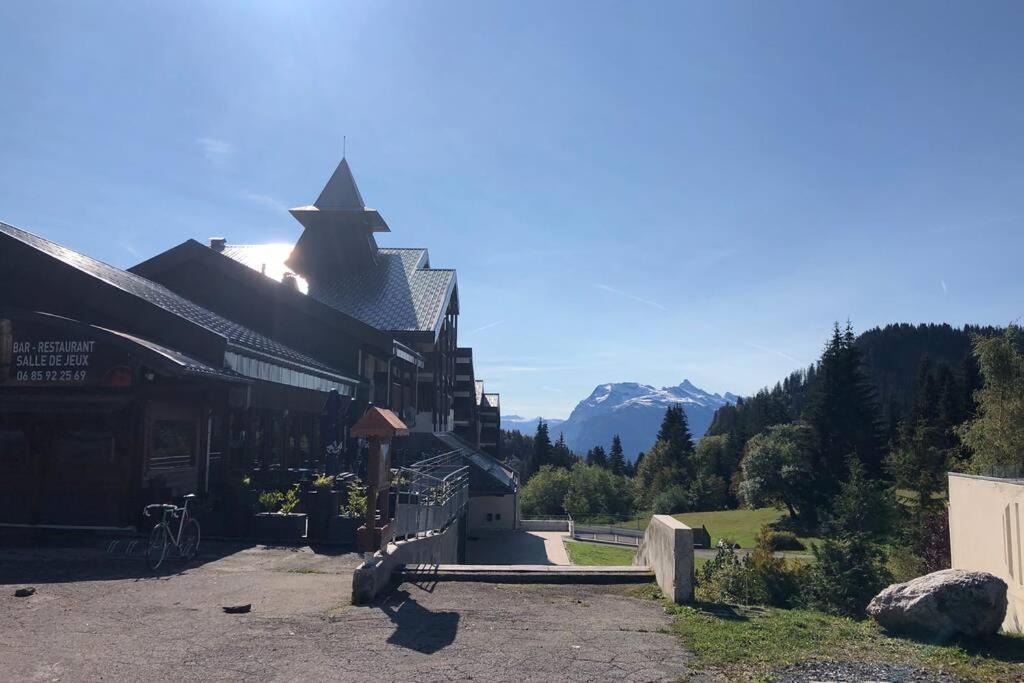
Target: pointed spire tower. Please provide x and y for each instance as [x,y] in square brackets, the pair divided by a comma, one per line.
[338,231]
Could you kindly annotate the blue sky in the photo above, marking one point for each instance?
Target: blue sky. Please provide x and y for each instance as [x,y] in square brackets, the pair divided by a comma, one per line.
[629,191]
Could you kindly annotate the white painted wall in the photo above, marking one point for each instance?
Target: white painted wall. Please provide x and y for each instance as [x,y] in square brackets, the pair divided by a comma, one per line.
[986,533]
[495,506]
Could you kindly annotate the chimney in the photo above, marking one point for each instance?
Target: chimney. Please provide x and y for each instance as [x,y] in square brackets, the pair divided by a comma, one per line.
[218,243]
[289,281]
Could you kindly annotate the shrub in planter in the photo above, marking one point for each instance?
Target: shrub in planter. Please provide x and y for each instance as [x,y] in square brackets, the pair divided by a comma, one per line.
[352,515]
[284,524]
[355,505]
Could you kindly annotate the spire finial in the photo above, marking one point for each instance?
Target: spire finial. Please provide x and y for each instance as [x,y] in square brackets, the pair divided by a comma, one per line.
[343,145]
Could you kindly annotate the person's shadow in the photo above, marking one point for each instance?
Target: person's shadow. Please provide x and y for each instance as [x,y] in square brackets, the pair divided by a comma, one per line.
[416,627]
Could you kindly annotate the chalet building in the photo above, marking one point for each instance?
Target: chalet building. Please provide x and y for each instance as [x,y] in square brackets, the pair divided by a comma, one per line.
[387,369]
[116,392]
[490,423]
[213,363]
[467,416]
[337,262]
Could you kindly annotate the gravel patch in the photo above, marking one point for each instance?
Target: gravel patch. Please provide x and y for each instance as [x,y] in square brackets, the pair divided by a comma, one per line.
[858,672]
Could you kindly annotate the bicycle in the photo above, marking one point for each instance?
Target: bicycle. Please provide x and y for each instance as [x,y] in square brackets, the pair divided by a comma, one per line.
[186,540]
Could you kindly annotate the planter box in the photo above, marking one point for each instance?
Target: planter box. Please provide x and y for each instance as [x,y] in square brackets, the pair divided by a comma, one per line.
[320,506]
[343,529]
[278,527]
[239,505]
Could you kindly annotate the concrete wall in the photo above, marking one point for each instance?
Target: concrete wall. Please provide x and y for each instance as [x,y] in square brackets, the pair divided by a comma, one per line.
[481,506]
[667,548]
[544,524]
[373,577]
[986,533]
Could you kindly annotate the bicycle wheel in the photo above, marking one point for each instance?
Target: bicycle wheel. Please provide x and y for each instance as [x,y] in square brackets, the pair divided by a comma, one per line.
[157,547]
[189,545]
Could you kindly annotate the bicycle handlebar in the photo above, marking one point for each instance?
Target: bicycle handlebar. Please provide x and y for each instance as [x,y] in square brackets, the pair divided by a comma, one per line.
[175,510]
[162,506]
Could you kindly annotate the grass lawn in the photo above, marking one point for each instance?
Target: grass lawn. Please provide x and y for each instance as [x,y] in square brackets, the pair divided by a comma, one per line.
[597,554]
[740,525]
[746,643]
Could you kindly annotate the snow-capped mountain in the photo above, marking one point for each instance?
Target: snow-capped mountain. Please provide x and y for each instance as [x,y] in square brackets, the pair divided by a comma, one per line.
[634,412]
[526,425]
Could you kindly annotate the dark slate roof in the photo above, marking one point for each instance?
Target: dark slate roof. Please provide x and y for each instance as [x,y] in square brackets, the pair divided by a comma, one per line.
[160,296]
[185,364]
[401,293]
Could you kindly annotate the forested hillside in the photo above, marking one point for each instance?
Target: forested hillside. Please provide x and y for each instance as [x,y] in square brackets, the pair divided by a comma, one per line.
[892,359]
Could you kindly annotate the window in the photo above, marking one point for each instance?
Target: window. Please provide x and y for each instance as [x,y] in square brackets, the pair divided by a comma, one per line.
[490,517]
[172,444]
[497,516]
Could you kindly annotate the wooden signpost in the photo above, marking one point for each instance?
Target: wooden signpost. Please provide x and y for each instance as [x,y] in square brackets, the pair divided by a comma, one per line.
[379,426]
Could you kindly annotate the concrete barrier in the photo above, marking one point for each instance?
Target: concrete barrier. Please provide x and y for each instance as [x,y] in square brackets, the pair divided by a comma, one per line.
[667,548]
[374,576]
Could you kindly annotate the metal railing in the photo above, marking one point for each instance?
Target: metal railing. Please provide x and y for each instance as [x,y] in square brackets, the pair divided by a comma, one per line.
[433,494]
[604,533]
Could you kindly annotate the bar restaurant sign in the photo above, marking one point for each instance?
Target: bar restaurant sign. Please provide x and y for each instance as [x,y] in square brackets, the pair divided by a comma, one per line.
[35,352]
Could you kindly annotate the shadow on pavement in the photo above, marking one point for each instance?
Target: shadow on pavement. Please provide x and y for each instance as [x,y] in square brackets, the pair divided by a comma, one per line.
[507,547]
[40,558]
[416,627]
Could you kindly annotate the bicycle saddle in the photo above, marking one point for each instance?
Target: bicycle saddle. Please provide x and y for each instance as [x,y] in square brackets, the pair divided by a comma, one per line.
[189,495]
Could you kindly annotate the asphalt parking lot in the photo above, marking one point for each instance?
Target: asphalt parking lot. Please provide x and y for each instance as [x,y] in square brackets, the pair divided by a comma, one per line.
[94,617]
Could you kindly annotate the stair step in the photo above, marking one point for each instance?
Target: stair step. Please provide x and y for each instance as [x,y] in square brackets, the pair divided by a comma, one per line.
[527,573]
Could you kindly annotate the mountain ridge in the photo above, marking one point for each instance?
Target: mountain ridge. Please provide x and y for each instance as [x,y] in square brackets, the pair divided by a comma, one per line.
[632,410]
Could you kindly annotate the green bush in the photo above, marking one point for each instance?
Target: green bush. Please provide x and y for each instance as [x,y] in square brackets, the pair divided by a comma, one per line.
[270,500]
[846,574]
[673,500]
[760,578]
[323,482]
[784,540]
[355,507]
[290,500]
[545,492]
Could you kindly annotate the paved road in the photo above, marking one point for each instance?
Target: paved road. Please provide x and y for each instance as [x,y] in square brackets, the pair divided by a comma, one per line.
[518,547]
[96,619]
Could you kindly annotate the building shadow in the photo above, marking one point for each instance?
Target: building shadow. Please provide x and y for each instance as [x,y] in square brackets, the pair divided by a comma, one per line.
[41,558]
[507,547]
[416,627]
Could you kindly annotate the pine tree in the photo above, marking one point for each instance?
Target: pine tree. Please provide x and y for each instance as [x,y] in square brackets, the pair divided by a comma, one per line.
[617,460]
[541,453]
[561,455]
[849,566]
[675,433]
[635,467]
[598,457]
[844,416]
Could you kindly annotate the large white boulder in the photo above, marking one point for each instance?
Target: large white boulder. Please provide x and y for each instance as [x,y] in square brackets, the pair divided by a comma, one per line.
[943,604]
